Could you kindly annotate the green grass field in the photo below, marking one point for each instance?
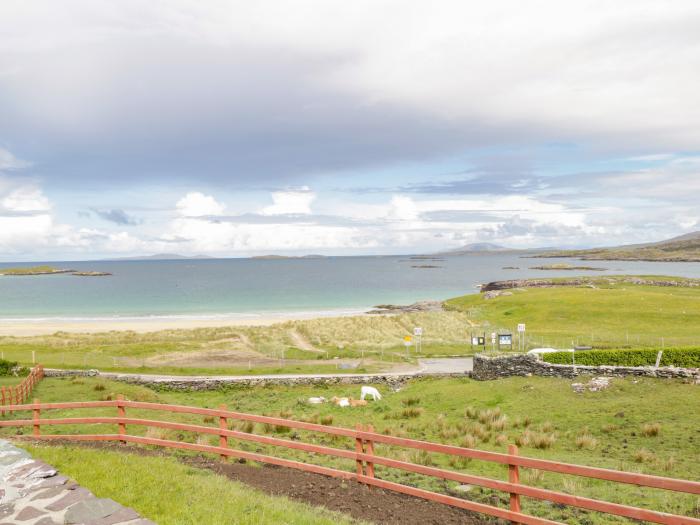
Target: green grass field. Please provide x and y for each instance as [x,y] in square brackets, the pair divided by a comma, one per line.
[641,425]
[609,315]
[170,493]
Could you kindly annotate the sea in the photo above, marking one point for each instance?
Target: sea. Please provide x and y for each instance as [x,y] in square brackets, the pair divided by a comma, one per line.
[250,288]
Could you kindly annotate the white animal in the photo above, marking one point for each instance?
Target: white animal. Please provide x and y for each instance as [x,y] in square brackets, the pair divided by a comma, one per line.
[370,391]
[317,400]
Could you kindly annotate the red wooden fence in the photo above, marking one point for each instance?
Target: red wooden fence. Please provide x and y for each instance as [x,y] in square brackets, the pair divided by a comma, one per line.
[365,458]
[17,394]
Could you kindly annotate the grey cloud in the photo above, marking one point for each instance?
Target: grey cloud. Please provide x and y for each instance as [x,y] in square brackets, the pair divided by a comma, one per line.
[117,216]
[317,220]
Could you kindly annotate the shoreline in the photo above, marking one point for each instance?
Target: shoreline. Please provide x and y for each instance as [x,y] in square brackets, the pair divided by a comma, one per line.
[22,327]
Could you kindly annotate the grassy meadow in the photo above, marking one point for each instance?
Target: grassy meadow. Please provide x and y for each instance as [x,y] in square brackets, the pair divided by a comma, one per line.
[171,493]
[372,343]
[641,425]
[611,314]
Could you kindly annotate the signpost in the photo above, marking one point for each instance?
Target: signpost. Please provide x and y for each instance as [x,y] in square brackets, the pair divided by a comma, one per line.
[493,341]
[407,343]
[418,332]
[521,336]
[505,340]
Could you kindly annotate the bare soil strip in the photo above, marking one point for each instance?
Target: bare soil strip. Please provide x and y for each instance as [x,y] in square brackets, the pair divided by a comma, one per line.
[359,501]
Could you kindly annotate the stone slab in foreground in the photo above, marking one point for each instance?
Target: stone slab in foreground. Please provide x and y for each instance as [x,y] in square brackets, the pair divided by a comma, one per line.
[34,493]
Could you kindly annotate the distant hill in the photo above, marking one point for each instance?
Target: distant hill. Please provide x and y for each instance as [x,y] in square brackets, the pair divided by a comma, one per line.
[485,248]
[273,256]
[162,257]
[684,248]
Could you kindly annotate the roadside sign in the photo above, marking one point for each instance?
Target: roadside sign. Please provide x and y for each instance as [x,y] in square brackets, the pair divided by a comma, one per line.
[493,337]
[408,338]
[418,331]
[505,340]
[521,327]
[478,341]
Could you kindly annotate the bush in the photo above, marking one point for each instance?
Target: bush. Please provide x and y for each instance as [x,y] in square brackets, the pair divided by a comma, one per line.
[681,357]
[6,367]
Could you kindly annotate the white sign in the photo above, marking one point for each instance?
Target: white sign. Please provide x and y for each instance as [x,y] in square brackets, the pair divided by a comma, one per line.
[493,337]
[521,327]
[418,331]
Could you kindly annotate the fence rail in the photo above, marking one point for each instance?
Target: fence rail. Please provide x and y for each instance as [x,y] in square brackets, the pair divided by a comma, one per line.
[363,455]
[18,394]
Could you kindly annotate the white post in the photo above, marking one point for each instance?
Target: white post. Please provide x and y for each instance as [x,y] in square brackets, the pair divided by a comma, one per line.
[33,357]
[658,358]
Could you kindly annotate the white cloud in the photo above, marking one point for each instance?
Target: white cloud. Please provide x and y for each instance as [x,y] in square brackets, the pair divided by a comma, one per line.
[25,199]
[196,204]
[290,202]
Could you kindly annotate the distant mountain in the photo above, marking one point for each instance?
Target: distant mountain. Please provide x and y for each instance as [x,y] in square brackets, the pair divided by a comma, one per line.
[481,247]
[478,248]
[162,257]
[684,248]
[273,256]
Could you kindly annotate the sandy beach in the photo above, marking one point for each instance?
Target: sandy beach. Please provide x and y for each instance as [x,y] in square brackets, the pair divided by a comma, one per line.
[27,327]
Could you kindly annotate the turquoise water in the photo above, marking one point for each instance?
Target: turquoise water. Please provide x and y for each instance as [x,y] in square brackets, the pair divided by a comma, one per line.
[241,287]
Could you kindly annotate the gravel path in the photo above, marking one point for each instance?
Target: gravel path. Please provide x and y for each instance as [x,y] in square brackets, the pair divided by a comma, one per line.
[34,493]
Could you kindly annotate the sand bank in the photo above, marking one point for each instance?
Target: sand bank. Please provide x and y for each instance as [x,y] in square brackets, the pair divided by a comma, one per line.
[29,327]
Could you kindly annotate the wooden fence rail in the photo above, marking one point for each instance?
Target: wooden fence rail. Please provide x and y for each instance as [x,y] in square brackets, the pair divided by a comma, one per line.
[17,394]
[363,455]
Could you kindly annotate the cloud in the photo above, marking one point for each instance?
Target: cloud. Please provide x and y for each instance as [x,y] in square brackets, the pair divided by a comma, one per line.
[196,204]
[280,93]
[25,199]
[290,202]
[117,216]
[9,162]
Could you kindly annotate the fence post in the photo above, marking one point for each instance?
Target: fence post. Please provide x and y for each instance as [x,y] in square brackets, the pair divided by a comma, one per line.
[3,401]
[121,412]
[223,439]
[36,416]
[359,450]
[514,477]
[370,452]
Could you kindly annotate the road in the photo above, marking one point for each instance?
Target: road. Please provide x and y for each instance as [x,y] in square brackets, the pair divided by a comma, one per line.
[436,366]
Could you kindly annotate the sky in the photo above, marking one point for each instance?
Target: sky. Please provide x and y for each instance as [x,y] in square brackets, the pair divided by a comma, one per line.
[234,128]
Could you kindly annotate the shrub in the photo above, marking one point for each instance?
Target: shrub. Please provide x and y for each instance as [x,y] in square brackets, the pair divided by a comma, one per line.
[651,429]
[471,412]
[501,439]
[6,367]
[99,387]
[469,441]
[586,441]
[644,456]
[410,401]
[543,441]
[326,420]
[682,357]
[411,412]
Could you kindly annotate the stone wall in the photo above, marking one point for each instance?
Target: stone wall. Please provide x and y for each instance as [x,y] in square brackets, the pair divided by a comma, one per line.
[215,383]
[493,367]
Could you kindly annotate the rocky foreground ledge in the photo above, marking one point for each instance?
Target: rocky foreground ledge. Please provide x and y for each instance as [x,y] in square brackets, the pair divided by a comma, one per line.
[34,493]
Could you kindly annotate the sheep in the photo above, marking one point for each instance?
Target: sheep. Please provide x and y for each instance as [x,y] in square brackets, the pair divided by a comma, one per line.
[370,391]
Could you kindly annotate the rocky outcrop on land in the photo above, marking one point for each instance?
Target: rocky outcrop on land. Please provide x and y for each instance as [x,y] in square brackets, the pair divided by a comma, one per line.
[421,306]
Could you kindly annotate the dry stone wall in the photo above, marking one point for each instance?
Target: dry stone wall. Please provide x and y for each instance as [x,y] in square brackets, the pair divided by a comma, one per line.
[494,367]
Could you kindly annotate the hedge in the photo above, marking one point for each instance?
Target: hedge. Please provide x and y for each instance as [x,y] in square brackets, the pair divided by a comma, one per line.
[6,367]
[681,357]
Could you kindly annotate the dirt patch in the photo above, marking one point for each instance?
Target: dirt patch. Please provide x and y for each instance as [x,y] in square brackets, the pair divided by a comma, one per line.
[301,342]
[349,497]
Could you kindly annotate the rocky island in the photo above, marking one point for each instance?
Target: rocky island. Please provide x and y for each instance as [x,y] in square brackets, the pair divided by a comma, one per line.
[48,270]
